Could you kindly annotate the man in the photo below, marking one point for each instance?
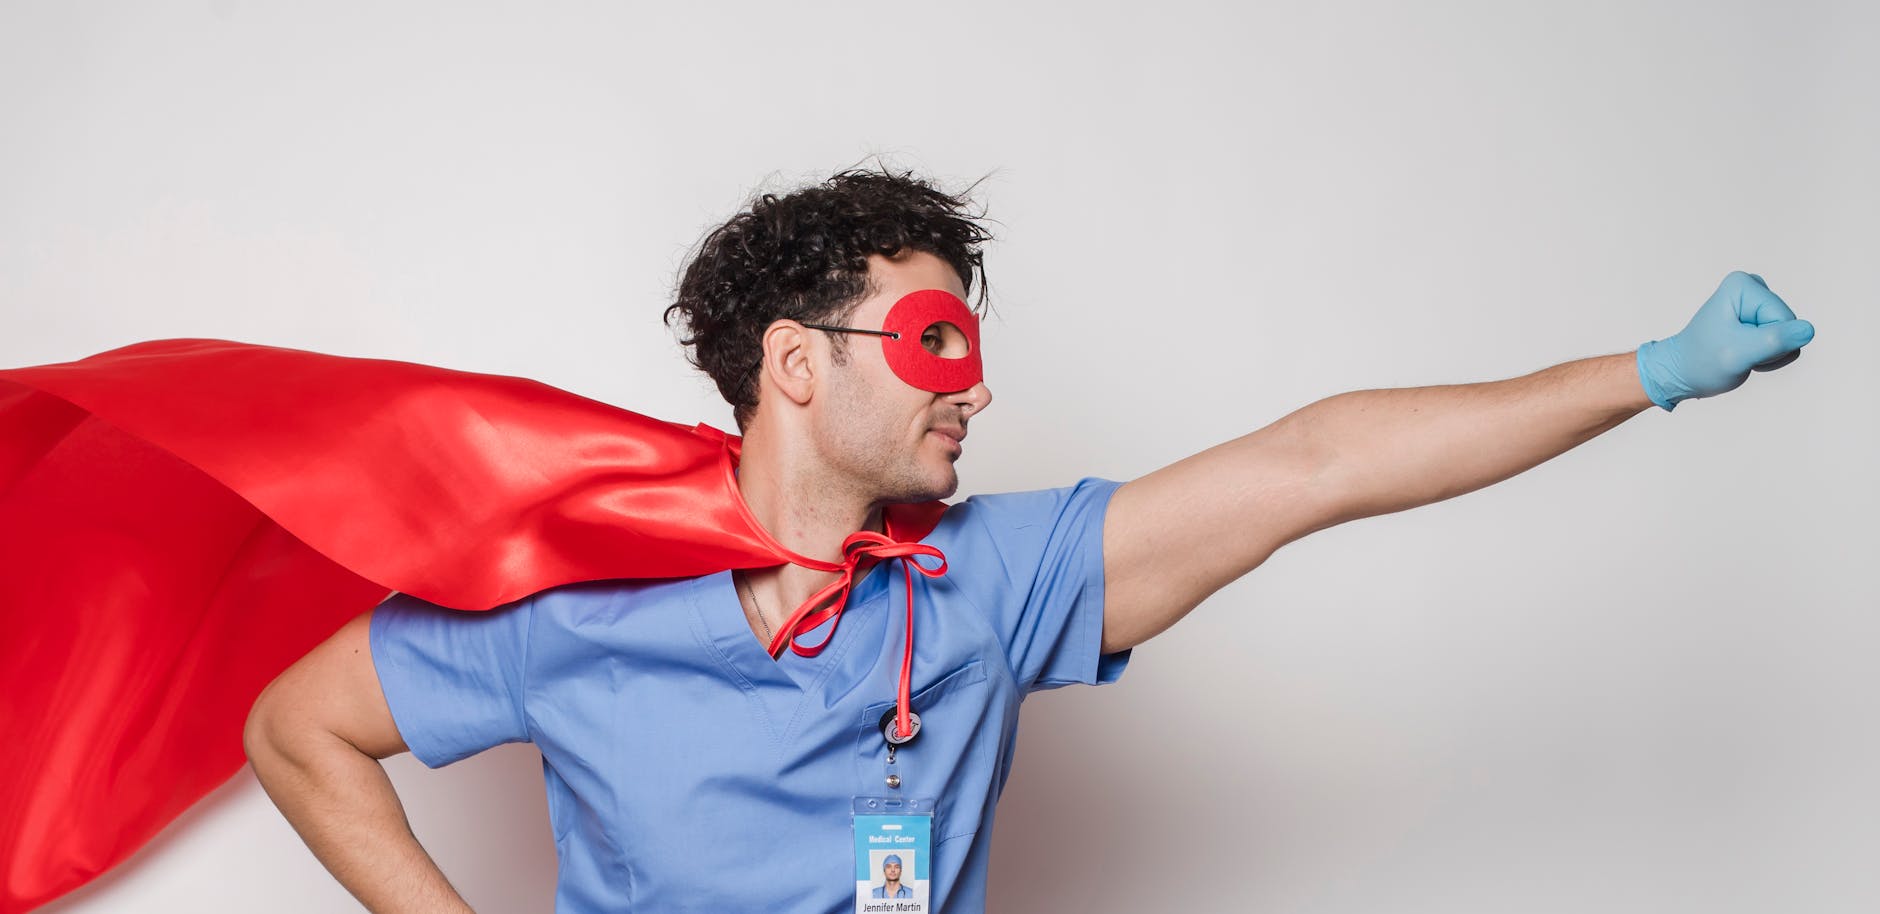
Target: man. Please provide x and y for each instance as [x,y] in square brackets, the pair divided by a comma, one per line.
[674,735]
[891,886]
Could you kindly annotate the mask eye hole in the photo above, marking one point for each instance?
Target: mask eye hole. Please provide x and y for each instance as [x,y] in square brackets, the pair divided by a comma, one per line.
[946,340]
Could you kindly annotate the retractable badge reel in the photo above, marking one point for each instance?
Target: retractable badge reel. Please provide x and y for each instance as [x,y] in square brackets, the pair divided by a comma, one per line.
[893,834]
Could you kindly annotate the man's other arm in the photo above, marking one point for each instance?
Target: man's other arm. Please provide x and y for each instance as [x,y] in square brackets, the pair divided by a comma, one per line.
[1175,536]
[315,736]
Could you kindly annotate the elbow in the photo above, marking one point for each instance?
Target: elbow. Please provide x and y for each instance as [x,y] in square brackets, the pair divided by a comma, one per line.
[258,731]
[275,731]
[1319,486]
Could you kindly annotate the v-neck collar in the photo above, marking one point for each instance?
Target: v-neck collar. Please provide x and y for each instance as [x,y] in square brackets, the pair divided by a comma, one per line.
[782,689]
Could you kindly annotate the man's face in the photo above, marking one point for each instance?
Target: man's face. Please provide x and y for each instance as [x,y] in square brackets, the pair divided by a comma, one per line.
[897,440]
[891,871]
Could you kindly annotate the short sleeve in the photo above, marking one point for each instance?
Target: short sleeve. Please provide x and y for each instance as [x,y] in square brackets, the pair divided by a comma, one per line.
[1033,561]
[453,679]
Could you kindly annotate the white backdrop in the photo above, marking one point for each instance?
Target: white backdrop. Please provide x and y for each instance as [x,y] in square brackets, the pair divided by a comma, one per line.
[1638,678]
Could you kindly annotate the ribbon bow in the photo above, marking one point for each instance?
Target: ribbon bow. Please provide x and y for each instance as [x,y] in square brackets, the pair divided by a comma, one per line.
[812,613]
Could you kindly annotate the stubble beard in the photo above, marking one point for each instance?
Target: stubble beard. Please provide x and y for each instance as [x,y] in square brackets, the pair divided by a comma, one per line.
[882,474]
[864,455]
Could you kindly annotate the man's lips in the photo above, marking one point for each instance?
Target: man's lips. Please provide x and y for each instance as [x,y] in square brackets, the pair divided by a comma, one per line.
[954,435]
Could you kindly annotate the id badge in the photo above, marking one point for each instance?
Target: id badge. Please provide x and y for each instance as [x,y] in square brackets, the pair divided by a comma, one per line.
[893,854]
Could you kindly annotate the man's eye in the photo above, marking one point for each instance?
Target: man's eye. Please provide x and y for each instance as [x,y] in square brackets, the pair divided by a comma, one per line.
[945,340]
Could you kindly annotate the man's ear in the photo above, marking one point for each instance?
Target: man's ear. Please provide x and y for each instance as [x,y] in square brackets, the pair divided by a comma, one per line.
[787,363]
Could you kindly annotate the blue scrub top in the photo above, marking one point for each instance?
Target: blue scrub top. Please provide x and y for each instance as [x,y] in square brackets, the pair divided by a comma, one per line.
[688,771]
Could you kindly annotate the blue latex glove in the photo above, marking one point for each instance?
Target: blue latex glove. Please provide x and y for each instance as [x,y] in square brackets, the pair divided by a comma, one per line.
[1744,327]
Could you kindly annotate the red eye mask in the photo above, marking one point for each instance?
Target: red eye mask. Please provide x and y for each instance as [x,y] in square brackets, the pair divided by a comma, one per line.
[910,319]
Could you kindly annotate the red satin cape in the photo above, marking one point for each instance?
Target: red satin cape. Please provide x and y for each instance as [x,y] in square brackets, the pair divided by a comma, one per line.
[181,520]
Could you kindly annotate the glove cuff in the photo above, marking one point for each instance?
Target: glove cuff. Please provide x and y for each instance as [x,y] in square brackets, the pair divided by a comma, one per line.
[1662,398]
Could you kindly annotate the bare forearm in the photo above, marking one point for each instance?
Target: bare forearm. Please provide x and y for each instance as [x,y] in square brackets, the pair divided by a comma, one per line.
[342,804]
[1401,448]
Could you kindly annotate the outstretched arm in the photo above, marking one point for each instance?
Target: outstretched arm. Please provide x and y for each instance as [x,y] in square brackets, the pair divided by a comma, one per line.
[1177,535]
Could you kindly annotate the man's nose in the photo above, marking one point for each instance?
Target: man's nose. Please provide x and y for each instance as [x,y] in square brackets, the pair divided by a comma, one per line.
[973,400]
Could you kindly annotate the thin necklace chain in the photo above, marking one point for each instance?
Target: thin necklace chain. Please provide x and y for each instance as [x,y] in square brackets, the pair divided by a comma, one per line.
[758,609]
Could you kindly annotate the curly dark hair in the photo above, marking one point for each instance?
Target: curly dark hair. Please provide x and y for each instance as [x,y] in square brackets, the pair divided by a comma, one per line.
[804,256]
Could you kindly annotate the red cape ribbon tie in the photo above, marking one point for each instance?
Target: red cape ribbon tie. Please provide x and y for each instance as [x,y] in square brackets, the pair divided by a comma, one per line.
[862,545]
